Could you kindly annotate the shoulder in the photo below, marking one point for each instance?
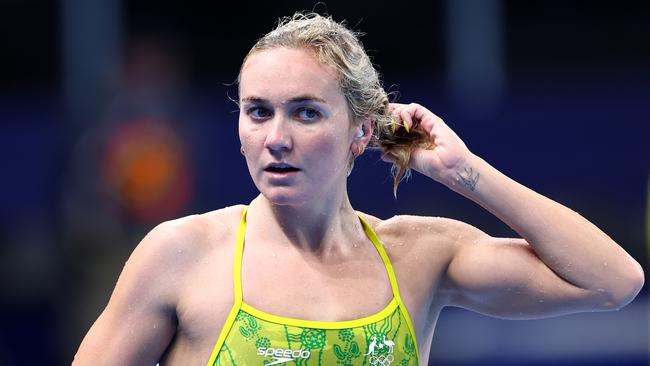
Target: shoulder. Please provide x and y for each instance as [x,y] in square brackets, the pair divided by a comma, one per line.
[175,247]
[423,229]
[161,276]
[425,242]
[194,233]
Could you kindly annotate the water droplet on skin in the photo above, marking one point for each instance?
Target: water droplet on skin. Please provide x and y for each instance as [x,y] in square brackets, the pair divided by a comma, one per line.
[605,264]
[155,326]
[541,301]
[180,251]
[601,290]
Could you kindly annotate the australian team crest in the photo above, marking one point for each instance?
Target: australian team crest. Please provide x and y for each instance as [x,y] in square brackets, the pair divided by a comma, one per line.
[380,351]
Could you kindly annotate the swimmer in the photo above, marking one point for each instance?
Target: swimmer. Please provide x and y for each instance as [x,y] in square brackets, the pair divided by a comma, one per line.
[299,276]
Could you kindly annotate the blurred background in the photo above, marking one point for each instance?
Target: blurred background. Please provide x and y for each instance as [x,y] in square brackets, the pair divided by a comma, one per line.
[116,115]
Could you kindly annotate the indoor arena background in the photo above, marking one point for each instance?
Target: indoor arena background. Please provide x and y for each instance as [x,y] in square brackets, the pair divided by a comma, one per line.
[117,115]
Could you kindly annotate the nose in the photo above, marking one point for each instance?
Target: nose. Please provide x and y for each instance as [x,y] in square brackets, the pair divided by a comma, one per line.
[278,138]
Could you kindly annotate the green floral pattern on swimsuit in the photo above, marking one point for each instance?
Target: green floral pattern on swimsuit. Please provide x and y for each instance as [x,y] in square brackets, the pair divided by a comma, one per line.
[254,341]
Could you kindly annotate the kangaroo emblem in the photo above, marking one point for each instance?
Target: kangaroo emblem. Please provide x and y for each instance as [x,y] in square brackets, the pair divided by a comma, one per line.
[379,357]
[371,347]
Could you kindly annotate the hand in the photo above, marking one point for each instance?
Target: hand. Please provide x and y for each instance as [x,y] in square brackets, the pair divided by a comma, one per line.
[448,151]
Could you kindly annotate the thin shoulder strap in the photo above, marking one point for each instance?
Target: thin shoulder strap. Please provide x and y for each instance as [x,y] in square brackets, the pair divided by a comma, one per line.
[236,275]
[239,254]
[384,257]
[370,233]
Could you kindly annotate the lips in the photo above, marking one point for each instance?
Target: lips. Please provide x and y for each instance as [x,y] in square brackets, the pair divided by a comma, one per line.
[280,168]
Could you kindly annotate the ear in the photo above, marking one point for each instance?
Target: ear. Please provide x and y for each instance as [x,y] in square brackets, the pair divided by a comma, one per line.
[363,134]
[366,131]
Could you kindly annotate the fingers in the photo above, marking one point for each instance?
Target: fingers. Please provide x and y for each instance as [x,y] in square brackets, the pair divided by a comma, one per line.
[407,116]
[413,115]
[400,117]
[407,119]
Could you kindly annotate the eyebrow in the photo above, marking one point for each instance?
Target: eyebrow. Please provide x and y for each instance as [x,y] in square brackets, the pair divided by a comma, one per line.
[298,99]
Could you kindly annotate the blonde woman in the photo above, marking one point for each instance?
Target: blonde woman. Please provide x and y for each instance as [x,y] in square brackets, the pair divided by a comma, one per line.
[299,277]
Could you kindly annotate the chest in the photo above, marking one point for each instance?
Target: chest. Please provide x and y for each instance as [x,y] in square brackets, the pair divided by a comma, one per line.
[282,284]
[290,285]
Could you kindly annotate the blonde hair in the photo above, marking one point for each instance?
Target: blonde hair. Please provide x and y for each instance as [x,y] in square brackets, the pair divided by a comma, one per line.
[338,47]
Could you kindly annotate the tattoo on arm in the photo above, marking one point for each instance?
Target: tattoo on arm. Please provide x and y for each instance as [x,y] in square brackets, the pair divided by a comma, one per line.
[469,178]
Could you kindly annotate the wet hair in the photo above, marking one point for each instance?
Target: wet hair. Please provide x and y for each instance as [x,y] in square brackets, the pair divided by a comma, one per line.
[338,47]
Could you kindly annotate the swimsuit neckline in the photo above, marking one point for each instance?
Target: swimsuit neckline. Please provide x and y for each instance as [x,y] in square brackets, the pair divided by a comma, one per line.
[340,324]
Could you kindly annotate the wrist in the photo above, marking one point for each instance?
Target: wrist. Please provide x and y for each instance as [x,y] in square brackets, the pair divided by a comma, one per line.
[464,176]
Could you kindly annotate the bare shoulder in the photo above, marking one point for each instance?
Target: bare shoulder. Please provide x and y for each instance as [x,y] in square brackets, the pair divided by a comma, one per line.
[421,249]
[170,252]
[191,235]
[425,242]
[423,230]
[153,284]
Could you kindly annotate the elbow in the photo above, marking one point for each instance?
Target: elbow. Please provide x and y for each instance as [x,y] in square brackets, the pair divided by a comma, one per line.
[625,291]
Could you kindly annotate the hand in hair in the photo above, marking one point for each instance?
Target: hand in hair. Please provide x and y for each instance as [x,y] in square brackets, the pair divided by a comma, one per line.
[446,151]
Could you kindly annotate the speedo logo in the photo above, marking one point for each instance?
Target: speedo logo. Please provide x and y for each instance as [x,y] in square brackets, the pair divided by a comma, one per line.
[282,355]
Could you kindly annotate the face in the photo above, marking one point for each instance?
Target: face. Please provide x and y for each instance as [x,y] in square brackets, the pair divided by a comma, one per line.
[294,126]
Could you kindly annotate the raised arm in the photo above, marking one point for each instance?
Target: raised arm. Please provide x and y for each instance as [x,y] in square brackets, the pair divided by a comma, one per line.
[140,318]
[563,264]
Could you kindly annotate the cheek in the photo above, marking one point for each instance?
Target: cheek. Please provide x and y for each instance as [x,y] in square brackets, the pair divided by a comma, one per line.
[247,136]
[245,139]
[330,147]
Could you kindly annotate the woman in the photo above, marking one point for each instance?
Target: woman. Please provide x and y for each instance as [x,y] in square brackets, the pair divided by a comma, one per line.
[313,283]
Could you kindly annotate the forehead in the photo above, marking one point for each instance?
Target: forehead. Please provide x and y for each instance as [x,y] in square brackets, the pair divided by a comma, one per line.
[283,73]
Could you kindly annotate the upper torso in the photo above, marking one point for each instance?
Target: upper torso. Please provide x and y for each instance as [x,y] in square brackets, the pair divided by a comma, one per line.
[343,286]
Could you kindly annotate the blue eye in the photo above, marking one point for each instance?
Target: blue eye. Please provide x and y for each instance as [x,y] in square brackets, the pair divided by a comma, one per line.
[258,113]
[308,114]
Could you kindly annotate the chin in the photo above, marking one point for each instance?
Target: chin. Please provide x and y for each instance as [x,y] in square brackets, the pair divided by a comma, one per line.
[283,196]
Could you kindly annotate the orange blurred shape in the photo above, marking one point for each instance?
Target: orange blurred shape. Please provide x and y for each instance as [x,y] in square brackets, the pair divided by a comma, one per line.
[145,169]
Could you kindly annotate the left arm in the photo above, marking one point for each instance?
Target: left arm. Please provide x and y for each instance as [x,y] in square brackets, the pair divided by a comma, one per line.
[569,254]
[571,246]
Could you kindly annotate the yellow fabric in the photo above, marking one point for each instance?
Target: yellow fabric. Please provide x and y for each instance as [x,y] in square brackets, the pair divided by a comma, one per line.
[254,337]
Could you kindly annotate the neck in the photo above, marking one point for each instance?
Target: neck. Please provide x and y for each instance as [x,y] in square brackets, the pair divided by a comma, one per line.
[317,227]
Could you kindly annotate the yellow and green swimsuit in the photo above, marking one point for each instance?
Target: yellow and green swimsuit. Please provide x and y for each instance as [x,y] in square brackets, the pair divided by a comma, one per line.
[253,337]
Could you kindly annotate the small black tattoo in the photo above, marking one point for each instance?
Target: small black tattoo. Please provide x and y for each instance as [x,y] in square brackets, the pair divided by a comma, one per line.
[469,178]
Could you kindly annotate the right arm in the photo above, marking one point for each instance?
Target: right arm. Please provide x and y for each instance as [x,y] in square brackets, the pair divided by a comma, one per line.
[139,321]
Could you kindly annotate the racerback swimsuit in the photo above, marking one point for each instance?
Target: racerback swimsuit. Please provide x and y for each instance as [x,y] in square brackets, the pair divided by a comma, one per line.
[254,337]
